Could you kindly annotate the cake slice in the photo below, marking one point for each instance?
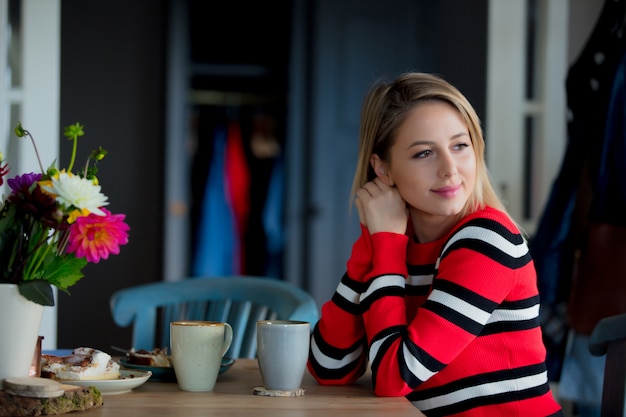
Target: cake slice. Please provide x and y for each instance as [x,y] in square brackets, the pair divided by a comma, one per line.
[156,357]
[83,363]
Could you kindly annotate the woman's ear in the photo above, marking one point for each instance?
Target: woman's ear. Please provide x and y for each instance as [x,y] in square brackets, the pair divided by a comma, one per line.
[380,168]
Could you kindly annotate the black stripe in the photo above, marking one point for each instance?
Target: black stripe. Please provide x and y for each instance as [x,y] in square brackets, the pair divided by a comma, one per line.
[417,290]
[393,291]
[453,316]
[356,286]
[487,249]
[358,365]
[513,237]
[476,380]
[520,304]
[510,326]
[394,332]
[464,294]
[414,270]
[517,325]
[347,305]
[333,351]
[492,252]
[505,397]
[427,269]
[420,355]
[470,403]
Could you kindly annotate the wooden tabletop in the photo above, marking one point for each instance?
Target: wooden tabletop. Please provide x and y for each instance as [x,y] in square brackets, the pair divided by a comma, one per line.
[233,396]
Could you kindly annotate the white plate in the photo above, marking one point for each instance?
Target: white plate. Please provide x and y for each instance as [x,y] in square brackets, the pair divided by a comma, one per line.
[129,379]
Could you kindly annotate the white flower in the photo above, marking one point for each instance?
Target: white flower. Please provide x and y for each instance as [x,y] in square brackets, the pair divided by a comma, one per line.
[72,190]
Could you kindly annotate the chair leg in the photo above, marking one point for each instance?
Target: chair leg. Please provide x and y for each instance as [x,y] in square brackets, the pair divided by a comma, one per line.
[614,380]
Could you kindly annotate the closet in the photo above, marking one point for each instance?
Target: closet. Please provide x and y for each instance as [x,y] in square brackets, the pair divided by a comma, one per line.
[235,78]
[236,185]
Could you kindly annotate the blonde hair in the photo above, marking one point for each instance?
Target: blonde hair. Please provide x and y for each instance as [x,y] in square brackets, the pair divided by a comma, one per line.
[386,107]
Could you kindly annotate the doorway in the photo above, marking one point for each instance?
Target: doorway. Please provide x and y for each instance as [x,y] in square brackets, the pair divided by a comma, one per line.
[228,87]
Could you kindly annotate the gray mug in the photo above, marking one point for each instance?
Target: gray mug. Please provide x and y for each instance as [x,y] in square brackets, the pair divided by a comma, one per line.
[282,351]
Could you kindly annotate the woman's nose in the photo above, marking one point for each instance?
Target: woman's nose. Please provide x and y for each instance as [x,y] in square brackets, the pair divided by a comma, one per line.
[447,165]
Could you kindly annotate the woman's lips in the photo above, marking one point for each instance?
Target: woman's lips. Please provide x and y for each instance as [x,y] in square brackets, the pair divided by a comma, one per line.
[448,191]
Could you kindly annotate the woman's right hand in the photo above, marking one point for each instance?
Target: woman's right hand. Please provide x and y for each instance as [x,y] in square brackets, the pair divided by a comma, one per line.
[381,208]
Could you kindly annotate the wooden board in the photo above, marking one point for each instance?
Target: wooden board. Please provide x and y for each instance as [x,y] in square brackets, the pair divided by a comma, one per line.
[74,398]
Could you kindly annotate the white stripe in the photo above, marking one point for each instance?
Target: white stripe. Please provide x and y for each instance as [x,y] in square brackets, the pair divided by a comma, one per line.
[492,388]
[490,237]
[529,313]
[376,346]
[417,280]
[331,363]
[384,281]
[416,367]
[460,306]
[348,293]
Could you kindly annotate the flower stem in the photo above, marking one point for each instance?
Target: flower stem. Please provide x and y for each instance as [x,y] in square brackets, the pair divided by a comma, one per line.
[27,133]
[63,241]
[86,168]
[39,253]
[74,147]
[39,260]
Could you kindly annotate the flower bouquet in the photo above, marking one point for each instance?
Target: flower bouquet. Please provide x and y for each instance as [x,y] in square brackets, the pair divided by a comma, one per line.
[54,222]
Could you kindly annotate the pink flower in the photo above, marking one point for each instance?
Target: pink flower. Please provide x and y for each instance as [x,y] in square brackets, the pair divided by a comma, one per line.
[94,237]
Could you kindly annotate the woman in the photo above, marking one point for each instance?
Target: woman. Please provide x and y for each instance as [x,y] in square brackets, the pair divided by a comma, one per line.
[440,291]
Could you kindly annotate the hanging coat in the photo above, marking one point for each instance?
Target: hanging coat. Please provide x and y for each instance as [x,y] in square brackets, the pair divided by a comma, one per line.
[589,83]
[237,174]
[216,238]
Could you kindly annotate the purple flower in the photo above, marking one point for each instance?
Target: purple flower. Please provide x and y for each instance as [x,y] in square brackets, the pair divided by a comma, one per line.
[32,201]
[22,183]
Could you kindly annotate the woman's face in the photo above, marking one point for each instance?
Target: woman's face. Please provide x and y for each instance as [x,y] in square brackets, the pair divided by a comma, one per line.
[432,162]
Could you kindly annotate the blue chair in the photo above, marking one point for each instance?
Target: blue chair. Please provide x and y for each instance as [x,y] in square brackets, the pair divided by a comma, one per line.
[239,300]
[609,338]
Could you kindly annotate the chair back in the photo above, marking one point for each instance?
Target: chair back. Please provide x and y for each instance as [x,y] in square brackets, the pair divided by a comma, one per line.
[239,300]
[609,338]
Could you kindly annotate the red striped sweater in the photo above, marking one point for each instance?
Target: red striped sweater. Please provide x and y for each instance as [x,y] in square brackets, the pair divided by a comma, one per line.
[451,324]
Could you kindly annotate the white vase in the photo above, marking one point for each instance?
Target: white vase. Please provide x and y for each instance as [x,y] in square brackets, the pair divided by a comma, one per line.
[20,320]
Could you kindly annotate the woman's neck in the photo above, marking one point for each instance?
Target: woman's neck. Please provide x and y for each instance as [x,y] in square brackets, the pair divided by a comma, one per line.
[428,228]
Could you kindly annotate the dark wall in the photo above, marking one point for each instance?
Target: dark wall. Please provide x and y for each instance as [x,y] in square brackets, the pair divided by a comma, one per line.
[112,81]
[455,33]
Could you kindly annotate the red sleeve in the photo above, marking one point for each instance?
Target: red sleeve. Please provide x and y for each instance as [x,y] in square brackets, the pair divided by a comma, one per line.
[338,347]
[385,317]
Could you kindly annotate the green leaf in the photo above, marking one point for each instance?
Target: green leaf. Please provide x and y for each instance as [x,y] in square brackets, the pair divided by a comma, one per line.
[65,271]
[38,291]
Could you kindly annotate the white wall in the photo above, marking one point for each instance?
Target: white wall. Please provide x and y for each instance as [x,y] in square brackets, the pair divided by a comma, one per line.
[37,100]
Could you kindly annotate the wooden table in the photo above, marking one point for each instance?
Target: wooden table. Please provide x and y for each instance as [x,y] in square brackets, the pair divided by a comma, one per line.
[233,396]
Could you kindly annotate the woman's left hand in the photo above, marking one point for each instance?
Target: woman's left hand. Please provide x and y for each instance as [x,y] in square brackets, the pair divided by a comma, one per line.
[381,208]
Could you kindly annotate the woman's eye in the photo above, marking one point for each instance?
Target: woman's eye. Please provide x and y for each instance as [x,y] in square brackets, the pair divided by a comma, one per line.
[460,146]
[422,154]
